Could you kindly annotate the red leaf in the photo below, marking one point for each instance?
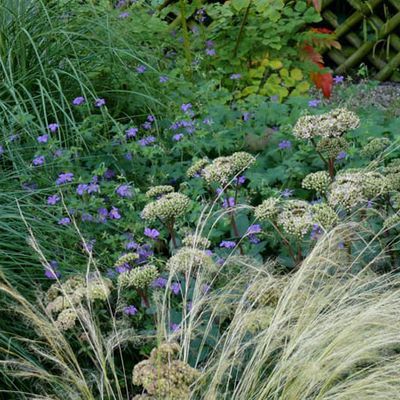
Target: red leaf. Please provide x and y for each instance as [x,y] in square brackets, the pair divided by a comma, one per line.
[313,55]
[323,81]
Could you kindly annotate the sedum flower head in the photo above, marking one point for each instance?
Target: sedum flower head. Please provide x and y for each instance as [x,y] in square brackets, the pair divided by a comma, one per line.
[353,187]
[332,147]
[197,168]
[196,241]
[392,173]
[66,319]
[157,191]
[329,125]
[168,207]
[241,161]
[75,290]
[223,169]
[339,121]
[126,259]
[375,146]
[395,200]
[318,181]
[325,216]
[190,259]
[295,218]
[99,289]
[139,277]
[306,127]
[163,376]
[268,209]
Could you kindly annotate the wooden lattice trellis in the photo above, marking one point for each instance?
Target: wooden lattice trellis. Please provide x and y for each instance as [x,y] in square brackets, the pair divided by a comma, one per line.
[358,49]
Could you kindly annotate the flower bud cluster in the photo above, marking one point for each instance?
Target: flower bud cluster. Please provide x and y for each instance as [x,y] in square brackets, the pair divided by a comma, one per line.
[324,215]
[158,191]
[268,209]
[197,168]
[128,258]
[62,299]
[296,218]
[66,319]
[163,376]
[191,259]
[353,187]
[139,277]
[332,147]
[318,181]
[392,173]
[196,241]
[375,146]
[168,207]
[329,125]
[223,169]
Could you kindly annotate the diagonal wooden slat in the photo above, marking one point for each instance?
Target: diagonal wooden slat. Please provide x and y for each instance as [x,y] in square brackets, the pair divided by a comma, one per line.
[367,47]
[366,10]
[352,38]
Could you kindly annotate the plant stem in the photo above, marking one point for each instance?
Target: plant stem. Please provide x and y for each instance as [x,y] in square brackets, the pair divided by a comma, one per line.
[286,242]
[236,230]
[143,295]
[171,232]
[331,167]
[244,20]
[186,40]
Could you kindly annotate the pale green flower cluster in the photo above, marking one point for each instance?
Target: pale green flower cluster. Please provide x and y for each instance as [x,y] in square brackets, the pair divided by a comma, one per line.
[63,299]
[324,215]
[157,191]
[295,218]
[375,146]
[197,168]
[392,173]
[138,278]
[318,181]
[196,241]
[126,259]
[353,187]
[66,319]
[396,200]
[329,125]
[190,259]
[163,376]
[268,209]
[223,169]
[332,147]
[168,207]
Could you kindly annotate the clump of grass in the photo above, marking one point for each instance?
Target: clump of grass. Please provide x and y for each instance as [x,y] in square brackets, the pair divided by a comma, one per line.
[332,334]
[328,331]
